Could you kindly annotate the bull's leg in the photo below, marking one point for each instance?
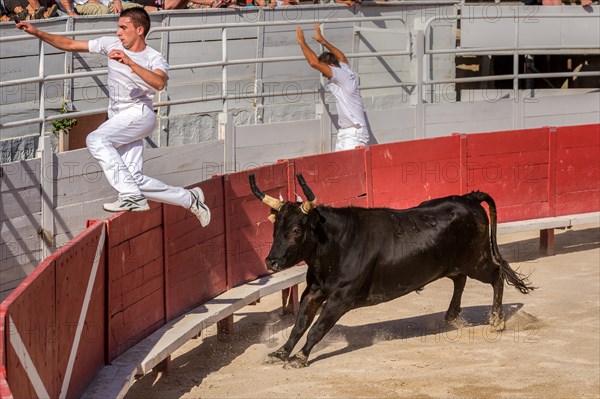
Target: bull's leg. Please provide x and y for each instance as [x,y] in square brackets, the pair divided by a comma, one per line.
[311,301]
[497,316]
[332,311]
[454,308]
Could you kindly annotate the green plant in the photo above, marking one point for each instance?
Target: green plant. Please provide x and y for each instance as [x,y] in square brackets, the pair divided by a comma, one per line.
[64,124]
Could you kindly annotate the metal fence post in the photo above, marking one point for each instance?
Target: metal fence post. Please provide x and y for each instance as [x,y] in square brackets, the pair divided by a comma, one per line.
[47,231]
[419,54]
[227,134]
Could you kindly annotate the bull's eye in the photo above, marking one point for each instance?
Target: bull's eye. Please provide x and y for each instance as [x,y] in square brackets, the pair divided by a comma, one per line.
[297,231]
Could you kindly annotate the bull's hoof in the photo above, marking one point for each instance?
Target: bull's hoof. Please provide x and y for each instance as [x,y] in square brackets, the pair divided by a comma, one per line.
[275,358]
[296,362]
[451,317]
[497,322]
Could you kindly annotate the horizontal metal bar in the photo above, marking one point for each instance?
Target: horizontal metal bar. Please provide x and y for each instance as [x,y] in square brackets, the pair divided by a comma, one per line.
[243,25]
[18,38]
[520,76]
[50,78]
[512,50]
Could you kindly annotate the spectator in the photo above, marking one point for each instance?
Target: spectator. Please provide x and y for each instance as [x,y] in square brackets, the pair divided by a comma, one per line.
[25,10]
[96,7]
[3,14]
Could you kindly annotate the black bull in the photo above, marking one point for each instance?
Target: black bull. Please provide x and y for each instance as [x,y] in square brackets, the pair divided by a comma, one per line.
[360,257]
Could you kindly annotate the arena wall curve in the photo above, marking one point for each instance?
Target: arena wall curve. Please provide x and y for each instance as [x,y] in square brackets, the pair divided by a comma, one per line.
[124,277]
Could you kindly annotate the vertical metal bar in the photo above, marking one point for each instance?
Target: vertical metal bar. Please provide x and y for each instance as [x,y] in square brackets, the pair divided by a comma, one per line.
[420,106]
[47,177]
[321,111]
[163,112]
[42,91]
[259,99]
[517,106]
[224,72]
[68,95]
[355,46]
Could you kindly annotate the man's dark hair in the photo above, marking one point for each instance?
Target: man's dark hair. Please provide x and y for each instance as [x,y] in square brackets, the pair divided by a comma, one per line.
[328,58]
[139,17]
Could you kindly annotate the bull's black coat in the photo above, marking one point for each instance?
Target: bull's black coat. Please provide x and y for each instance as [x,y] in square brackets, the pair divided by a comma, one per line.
[359,257]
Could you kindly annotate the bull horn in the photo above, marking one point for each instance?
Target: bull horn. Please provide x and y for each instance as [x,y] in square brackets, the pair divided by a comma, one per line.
[267,199]
[311,200]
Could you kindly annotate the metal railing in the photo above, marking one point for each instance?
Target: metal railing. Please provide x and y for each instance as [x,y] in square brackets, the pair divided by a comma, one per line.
[424,53]
[417,49]
[224,63]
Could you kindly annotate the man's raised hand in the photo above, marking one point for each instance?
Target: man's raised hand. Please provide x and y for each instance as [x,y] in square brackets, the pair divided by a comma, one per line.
[318,36]
[300,35]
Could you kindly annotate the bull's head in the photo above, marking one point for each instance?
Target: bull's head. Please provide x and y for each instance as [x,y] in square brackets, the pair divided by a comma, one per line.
[294,225]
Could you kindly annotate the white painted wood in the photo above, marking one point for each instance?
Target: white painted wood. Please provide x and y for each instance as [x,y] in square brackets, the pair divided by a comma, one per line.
[558,222]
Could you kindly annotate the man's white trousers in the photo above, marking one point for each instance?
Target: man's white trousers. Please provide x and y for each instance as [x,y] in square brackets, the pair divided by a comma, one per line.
[350,138]
[118,147]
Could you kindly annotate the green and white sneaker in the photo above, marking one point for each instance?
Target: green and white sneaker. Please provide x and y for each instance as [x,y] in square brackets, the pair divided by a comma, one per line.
[198,206]
[135,203]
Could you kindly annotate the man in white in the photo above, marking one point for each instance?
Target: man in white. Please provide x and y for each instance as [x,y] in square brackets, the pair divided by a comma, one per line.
[135,73]
[333,64]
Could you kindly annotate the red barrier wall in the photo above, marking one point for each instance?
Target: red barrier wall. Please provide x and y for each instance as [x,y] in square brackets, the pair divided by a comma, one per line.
[513,167]
[195,256]
[407,173]
[337,179]
[249,233]
[577,169]
[136,306]
[160,264]
[47,348]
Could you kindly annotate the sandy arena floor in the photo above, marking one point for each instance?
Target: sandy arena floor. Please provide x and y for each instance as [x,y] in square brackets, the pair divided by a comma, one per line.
[550,348]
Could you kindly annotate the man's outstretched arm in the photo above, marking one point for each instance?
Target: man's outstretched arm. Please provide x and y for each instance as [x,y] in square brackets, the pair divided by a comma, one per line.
[60,42]
[330,47]
[310,55]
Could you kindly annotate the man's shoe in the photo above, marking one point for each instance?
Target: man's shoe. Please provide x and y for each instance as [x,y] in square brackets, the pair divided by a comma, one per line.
[198,206]
[135,203]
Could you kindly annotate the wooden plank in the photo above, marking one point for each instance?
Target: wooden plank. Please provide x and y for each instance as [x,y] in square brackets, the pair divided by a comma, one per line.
[577,202]
[534,224]
[271,179]
[415,152]
[74,266]
[32,309]
[509,142]
[578,136]
[193,291]
[333,177]
[123,226]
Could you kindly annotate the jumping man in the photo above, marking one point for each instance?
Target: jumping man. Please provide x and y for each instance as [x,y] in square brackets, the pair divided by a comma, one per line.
[135,73]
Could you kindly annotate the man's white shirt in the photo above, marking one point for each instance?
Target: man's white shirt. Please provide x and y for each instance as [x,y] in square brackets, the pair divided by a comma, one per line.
[125,87]
[344,86]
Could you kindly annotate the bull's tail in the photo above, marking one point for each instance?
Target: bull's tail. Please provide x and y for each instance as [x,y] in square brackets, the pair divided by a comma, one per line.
[512,277]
